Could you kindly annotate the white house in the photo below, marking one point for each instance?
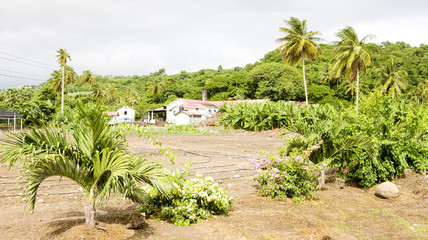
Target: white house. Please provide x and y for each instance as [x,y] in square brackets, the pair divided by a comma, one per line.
[186,111]
[125,115]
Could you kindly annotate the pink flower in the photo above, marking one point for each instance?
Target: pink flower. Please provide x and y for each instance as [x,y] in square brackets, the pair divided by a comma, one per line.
[333,171]
[345,171]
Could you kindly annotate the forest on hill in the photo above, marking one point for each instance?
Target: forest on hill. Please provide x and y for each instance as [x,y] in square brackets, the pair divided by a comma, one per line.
[392,63]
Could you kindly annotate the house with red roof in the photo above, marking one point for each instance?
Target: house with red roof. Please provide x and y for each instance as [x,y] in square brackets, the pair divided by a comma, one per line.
[187,111]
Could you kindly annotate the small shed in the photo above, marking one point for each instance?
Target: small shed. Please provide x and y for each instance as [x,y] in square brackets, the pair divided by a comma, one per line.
[10,119]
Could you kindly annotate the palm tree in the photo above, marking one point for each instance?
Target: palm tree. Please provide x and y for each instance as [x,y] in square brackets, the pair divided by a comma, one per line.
[157,85]
[109,92]
[88,78]
[332,139]
[352,58]
[131,97]
[393,81]
[56,79]
[90,153]
[299,44]
[98,92]
[62,60]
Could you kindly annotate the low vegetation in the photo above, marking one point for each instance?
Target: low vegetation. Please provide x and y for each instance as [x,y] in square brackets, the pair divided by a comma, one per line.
[191,200]
[386,136]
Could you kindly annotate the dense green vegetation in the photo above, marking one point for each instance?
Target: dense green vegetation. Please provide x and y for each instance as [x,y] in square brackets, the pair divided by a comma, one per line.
[268,78]
[377,144]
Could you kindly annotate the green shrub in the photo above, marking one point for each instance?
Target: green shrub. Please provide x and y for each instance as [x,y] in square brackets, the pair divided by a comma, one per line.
[288,177]
[398,130]
[192,200]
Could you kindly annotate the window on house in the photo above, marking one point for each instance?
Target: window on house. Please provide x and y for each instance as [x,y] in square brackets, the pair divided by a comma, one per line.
[125,113]
[196,109]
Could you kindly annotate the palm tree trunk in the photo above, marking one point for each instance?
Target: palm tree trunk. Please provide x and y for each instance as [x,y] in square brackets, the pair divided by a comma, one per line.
[90,213]
[358,86]
[62,90]
[304,82]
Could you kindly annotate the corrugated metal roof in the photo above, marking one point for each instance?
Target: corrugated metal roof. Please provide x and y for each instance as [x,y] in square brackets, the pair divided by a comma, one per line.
[221,103]
[9,113]
[111,113]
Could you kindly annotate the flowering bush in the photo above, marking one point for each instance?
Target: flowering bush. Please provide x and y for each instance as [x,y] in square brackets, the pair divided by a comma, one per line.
[288,177]
[191,200]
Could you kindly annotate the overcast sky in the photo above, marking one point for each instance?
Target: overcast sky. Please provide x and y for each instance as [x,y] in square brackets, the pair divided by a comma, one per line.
[137,37]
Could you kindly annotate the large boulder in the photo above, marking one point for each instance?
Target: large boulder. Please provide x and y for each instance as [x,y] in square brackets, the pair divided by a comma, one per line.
[387,190]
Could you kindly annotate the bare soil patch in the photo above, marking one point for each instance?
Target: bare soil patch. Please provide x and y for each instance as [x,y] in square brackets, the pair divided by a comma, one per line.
[349,213]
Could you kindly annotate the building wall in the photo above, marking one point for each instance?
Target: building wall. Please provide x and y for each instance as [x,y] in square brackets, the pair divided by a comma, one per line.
[170,115]
[128,118]
[172,110]
[181,119]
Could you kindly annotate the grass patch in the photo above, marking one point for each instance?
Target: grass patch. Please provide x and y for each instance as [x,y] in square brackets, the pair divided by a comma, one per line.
[183,130]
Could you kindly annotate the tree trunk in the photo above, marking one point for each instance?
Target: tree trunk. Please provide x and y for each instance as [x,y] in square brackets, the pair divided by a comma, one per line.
[322,187]
[304,82]
[90,214]
[62,89]
[358,86]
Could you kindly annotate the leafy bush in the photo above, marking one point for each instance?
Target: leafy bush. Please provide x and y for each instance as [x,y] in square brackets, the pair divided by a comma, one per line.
[191,200]
[271,115]
[399,131]
[288,177]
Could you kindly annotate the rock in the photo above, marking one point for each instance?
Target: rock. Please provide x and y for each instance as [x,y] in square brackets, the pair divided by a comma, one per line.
[41,201]
[236,176]
[387,190]
[326,238]
[407,172]
[339,183]
[136,221]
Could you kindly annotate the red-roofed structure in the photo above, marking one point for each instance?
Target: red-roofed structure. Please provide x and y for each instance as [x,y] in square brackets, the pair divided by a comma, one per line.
[188,111]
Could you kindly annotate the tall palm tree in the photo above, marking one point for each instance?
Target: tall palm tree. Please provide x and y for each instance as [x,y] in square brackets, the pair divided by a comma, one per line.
[352,58]
[88,78]
[393,80]
[90,153]
[109,92]
[299,44]
[62,61]
[56,79]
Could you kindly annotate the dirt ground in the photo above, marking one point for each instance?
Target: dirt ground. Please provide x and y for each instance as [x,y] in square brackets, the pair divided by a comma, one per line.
[349,213]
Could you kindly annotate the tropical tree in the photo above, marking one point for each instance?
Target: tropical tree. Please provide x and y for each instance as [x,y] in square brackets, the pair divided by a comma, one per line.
[88,78]
[56,78]
[98,92]
[90,153]
[109,93]
[299,44]
[352,59]
[327,139]
[62,61]
[157,85]
[393,80]
[131,97]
